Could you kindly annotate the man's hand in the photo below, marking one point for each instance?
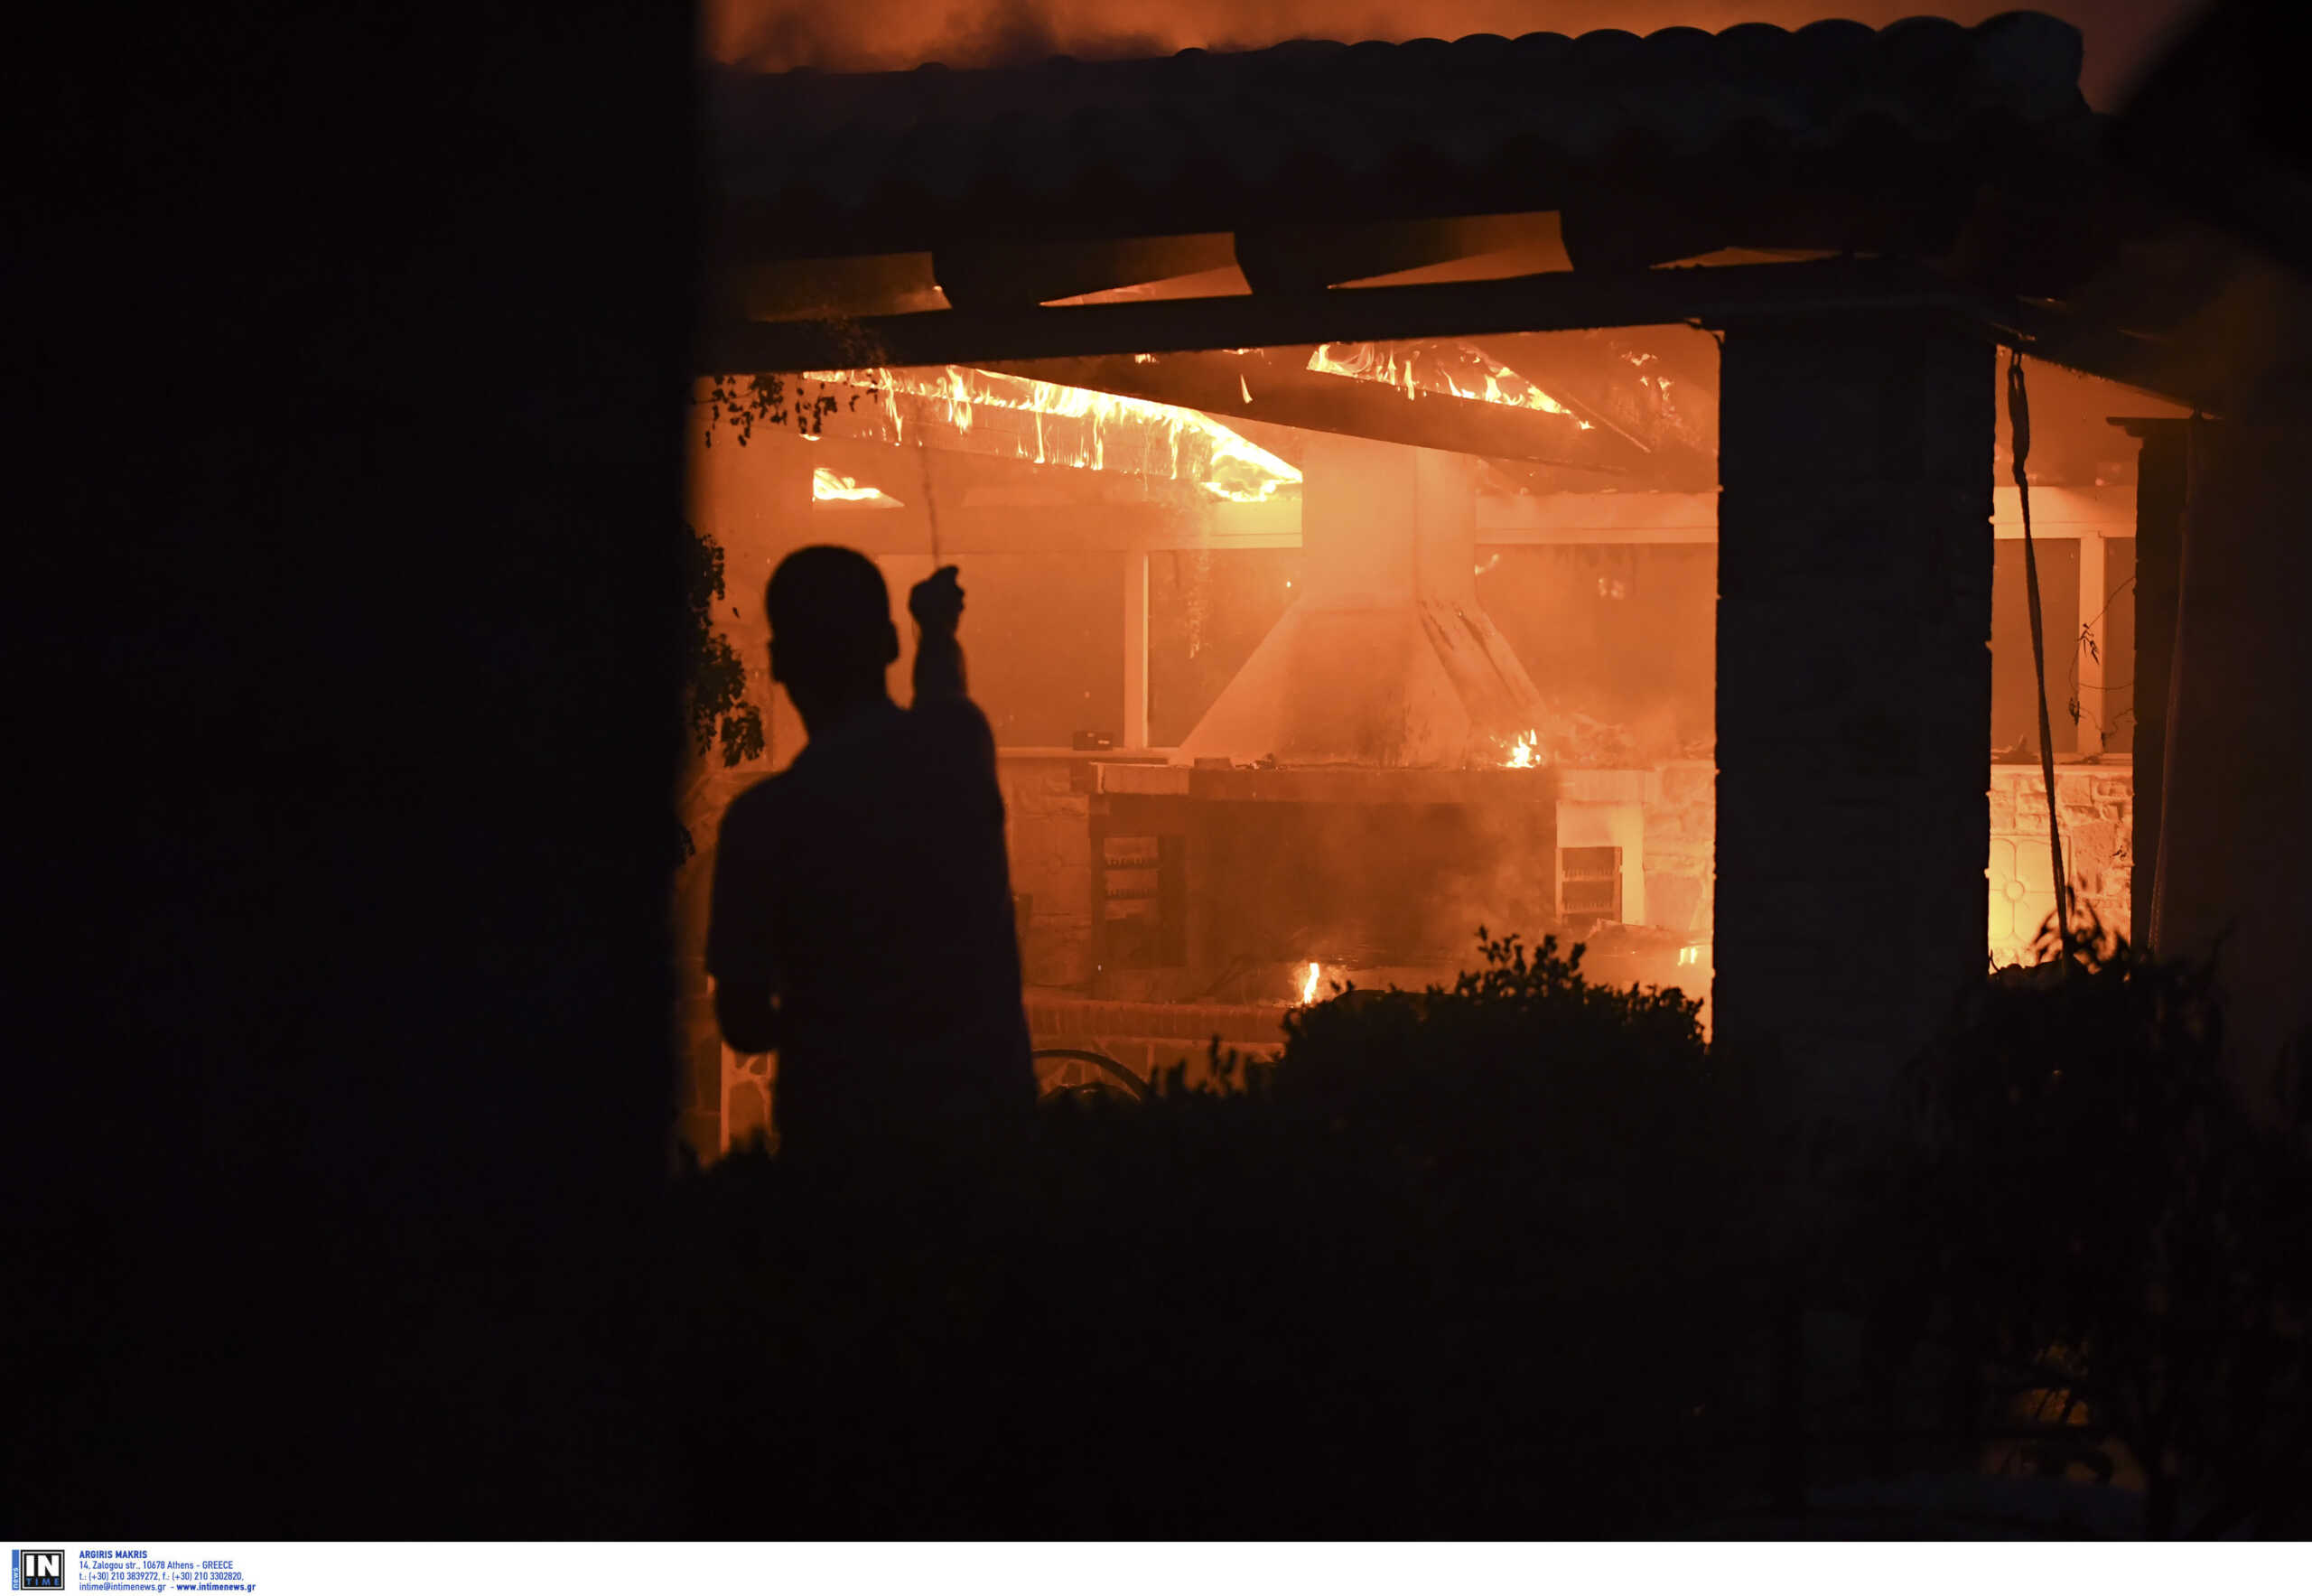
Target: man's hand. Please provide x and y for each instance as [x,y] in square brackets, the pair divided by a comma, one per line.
[937,602]
[748,1016]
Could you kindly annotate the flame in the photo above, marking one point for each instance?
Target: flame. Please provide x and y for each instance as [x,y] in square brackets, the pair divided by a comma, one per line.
[1460,370]
[1223,461]
[826,485]
[1525,752]
[1309,983]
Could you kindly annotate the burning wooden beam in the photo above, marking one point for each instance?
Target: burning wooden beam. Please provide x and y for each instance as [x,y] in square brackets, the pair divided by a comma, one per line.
[1293,386]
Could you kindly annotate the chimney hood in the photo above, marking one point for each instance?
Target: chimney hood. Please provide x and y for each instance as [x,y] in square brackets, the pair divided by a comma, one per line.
[1385,659]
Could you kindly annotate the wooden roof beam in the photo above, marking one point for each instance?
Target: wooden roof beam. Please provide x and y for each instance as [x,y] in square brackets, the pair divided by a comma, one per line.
[1007,274]
[1544,302]
[1309,257]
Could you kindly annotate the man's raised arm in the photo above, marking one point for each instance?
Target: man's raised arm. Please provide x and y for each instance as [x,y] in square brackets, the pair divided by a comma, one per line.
[937,602]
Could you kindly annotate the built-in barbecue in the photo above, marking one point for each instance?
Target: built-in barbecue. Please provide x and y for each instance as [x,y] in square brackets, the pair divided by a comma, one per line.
[1373,785]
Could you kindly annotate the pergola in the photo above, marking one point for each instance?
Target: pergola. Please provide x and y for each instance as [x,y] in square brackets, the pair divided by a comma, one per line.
[1863,216]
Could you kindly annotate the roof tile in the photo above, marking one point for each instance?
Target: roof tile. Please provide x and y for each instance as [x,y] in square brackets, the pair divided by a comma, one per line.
[1204,139]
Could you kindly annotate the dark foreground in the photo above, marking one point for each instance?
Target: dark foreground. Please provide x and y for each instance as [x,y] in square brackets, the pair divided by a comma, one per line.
[1523,1260]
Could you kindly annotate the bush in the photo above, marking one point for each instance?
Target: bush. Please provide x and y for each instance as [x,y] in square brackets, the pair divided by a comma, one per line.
[2106,1222]
[1462,1261]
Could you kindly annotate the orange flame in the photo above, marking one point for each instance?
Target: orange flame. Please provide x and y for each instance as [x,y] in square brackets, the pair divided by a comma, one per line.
[1224,462]
[827,486]
[1309,983]
[1463,372]
[1525,752]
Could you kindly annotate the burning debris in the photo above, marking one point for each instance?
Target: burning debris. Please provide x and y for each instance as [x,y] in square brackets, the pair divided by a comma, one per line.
[1460,370]
[827,488]
[1079,428]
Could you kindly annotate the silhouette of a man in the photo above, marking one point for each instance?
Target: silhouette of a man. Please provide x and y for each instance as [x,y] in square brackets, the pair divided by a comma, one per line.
[861,922]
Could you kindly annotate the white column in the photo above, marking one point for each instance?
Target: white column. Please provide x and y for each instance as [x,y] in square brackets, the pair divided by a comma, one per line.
[2092,664]
[1135,648]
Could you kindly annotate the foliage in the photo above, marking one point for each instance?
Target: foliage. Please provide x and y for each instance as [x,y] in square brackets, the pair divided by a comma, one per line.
[1524,1048]
[742,401]
[1507,1254]
[2108,1222]
[1393,1284]
[716,705]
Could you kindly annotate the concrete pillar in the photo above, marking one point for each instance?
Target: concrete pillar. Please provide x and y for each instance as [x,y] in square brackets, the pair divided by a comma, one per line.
[2160,472]
[1854,690]
[2235,872]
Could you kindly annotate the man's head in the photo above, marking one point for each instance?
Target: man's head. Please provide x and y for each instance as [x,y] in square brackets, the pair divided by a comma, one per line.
[831,632]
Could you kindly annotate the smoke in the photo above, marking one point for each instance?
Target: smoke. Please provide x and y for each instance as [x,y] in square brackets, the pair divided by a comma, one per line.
[889,35]
[881,35]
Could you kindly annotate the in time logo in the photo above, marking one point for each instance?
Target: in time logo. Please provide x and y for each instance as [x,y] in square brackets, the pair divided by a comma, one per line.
[36,1571]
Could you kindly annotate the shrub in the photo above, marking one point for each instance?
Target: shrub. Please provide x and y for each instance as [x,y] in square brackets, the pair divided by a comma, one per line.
[2105,1219]
[1462,1260]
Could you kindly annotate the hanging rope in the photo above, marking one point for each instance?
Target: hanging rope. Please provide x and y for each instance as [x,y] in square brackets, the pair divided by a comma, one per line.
[923,474]
[2018,427]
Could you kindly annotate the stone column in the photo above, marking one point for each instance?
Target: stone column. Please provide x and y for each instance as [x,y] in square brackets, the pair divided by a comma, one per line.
[1854,690]
[2235,872]
[2158,547]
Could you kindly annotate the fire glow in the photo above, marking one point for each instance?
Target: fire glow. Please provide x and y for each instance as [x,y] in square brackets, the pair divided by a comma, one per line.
[1460,371]
[1525,752]
[1309,983]
[828,488]
[1222,462]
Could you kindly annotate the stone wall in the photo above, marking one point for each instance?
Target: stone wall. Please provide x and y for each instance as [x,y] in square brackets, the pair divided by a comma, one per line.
[2097,806]
[1854,574]
[1047,828]
[1149,1038]
[1681,845]
[2098,810]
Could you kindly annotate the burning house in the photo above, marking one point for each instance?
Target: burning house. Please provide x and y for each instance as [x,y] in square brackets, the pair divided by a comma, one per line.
[1545,483]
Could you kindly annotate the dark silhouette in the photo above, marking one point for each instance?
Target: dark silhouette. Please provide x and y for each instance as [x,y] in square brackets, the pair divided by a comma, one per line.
[861,922]
[403,627]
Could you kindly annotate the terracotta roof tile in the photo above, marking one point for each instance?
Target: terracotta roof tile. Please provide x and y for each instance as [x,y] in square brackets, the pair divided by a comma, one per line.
[1203,140]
